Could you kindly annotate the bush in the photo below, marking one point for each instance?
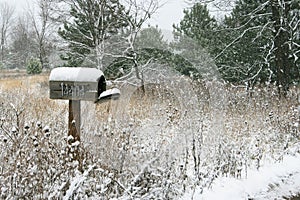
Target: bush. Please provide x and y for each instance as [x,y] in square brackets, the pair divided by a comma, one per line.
[1,65]
[33,66]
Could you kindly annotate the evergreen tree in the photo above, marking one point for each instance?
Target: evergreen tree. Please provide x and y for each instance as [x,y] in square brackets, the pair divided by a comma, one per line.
[150,37]
[245,58]
[92,22]
[33,66]
[294,26]
[257,42]
[265,44]
[196,38]
[198,25]
[285,26]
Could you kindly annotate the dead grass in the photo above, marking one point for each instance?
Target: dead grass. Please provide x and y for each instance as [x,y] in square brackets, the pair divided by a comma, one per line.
[5,73]
[23,82]
[112,129]
[243,113]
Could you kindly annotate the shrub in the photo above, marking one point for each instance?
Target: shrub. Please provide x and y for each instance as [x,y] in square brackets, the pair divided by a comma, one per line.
[33,66]
[1,66]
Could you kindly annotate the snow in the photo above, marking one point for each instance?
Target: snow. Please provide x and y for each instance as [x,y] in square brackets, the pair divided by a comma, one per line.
[76,183]
[76,143]
[46,129]
[14,129]
[272,181]
[78,74]
[70,138]
[114,92]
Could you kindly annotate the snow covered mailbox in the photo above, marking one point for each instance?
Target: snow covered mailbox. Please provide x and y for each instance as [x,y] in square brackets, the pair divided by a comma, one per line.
[86,84]
[76,84]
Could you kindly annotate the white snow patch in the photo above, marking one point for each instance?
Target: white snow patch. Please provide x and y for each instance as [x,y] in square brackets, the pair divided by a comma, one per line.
[14,129]
[76,182]
[273,181]
[111,92]
[78,74]
[70,138]
[46,129]
[75,144]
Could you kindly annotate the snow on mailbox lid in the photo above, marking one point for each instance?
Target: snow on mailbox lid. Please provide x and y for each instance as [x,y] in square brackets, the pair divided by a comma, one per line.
[76,74]
[76,83]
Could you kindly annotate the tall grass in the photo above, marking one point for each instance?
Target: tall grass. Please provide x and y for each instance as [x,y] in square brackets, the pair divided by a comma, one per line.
[179,135]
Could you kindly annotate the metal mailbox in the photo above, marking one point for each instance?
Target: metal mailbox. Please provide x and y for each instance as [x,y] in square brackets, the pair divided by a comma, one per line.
[76,84]
[72,83]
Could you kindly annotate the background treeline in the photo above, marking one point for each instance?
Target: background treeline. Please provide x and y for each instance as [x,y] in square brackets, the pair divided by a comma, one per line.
[257,41]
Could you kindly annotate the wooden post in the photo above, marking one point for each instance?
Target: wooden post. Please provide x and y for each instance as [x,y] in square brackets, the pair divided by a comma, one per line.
[74,119]
[74,131]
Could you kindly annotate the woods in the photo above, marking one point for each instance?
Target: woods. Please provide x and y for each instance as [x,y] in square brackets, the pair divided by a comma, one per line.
[256,42]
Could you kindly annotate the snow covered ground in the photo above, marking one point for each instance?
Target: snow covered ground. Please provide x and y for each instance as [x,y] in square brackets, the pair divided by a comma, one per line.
[272,181]
[158,146]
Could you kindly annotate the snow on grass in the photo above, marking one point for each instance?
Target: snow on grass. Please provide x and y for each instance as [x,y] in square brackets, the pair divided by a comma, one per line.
[195,144]
[76,183]
[272,181]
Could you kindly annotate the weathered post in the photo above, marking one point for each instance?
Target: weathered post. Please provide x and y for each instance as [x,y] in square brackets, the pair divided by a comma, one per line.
[74,119]
[74,131]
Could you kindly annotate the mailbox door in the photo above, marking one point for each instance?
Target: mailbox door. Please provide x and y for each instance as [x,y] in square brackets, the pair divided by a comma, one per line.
[101,85]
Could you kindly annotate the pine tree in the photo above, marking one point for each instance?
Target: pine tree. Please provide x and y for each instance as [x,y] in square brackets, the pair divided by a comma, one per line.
[244,59]
[257,42]
[150,37]
[285,17]
[198,25]
[265,44]
[196,39]
[93,22]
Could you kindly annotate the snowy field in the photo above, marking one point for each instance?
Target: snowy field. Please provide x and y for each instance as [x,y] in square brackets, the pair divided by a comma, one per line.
[181,140]
[279,180]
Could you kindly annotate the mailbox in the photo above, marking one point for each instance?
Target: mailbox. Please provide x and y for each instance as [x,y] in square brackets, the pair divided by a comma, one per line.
[76,83]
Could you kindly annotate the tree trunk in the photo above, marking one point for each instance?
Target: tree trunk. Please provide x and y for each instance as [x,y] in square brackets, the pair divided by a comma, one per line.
[3,35]
[281,45]
[139,76]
